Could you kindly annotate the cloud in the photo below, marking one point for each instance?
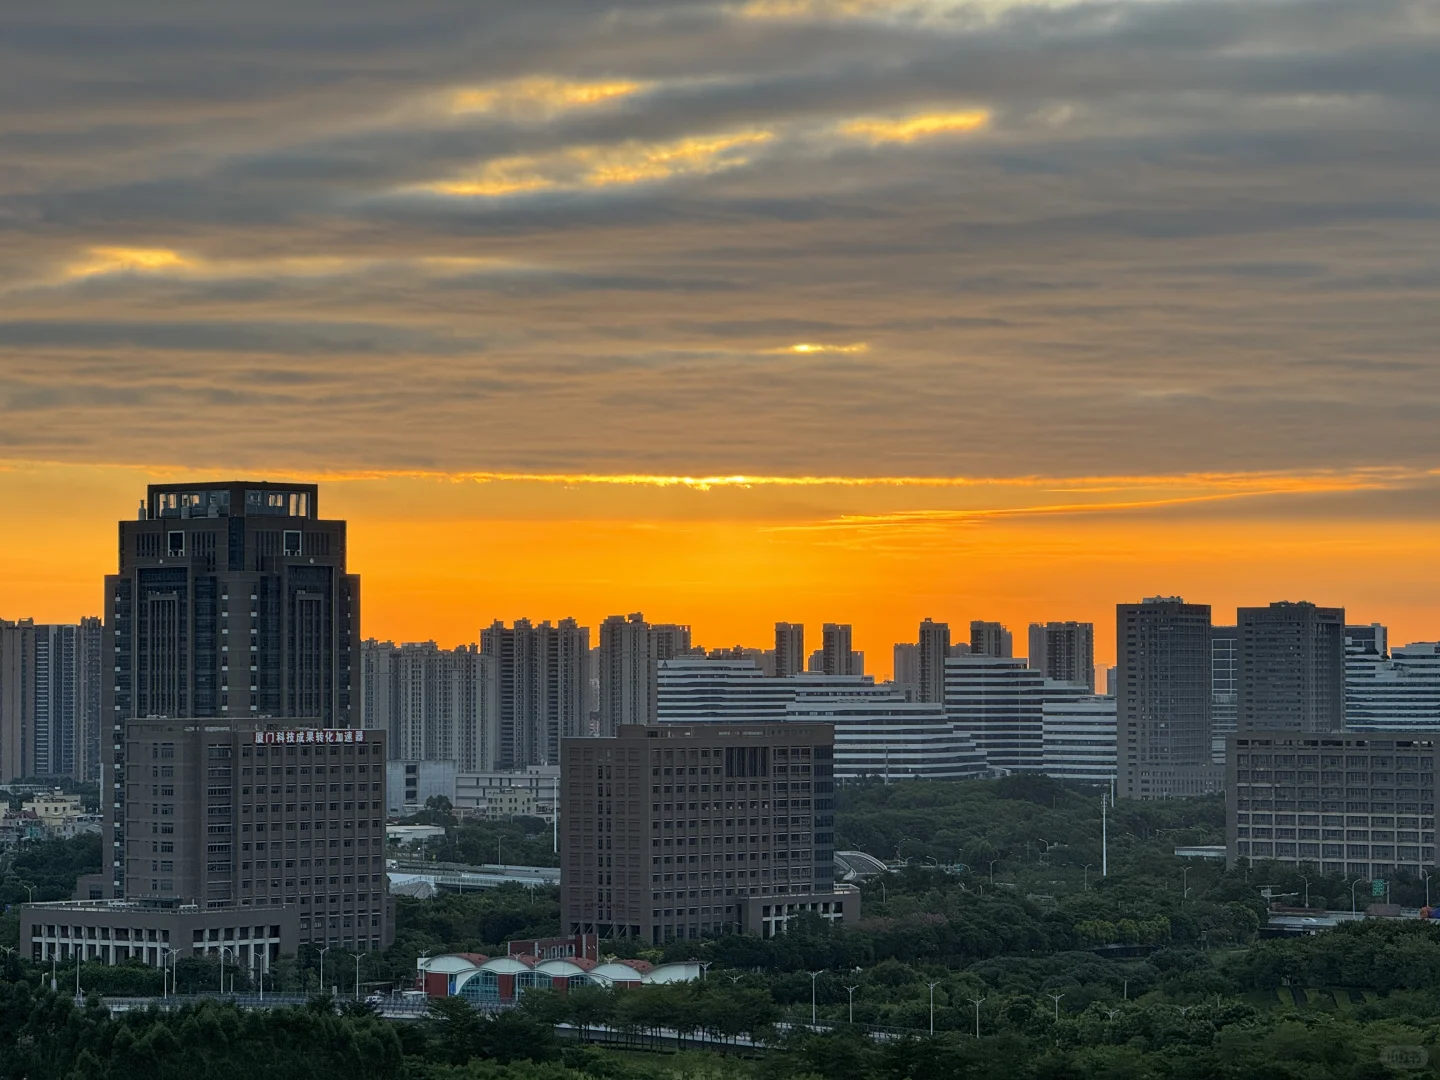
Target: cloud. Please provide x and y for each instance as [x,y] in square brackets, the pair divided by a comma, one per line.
[1099,238]
[911,128]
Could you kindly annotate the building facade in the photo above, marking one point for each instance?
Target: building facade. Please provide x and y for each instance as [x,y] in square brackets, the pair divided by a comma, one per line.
[1224,687]
[990,639]
[434,704]
[1400,691]
[678,831]
[998,703]
[1163,699]
[232,599]
[120,931]
[630,649]
[50,688]
[932,652]
[1064,652]
[789,649]
[533,791]
[1358,805]
[1292,668]
[220,814]
[409,785]
[836,655]
[1079,738]
[541,686]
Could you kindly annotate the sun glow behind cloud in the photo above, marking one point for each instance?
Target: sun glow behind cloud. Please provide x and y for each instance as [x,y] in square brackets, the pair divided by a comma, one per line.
[605,166]
[540,97]
[909,129]
[118,260]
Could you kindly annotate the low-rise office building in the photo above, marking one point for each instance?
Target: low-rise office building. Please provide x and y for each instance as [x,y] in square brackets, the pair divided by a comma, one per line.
[123,931]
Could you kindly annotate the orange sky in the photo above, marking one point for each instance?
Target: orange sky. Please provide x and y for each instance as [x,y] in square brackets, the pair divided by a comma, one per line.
[440,557]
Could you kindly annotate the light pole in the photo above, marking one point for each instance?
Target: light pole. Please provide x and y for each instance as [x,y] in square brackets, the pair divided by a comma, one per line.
[1056,998]
[29,889]
[78,953]
[323,951]
[221,954]
[851,990]
[992,870]
[704,967]
[1087,874]
[164,969]
[1104,838]
[357,976]
[813,976]
[1426,875]
[1357,881]
[932,1006]
[1184,883]
[1306,880]
[976,1002]
[53,956]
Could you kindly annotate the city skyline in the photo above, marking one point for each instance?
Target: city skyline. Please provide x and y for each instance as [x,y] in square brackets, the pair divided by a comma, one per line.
[852,311]
[705,574]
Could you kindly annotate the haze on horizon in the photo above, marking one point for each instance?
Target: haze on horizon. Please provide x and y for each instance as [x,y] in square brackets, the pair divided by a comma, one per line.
[995,310]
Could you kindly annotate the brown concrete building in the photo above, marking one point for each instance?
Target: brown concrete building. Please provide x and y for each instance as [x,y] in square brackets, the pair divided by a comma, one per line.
[1359,805]
[256,814]
[687,830]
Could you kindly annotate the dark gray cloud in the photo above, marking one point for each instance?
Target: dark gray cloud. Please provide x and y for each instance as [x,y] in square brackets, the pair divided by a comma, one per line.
[1194,235]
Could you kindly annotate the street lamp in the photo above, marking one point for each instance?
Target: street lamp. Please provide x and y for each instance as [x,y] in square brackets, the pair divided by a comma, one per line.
[976,1002]
[1056,998]
[851,990]
[30,889]
[813,976]
[1184,883]
[221,954]
[1087,874]
[1357,881]
[1426,875]
[1306,880]
[79,952]
[357,976]
[992,870]
[323,951]
[164,970]
[932,1006]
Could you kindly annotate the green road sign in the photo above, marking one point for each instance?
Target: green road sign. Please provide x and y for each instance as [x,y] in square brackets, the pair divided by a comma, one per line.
[1377,887]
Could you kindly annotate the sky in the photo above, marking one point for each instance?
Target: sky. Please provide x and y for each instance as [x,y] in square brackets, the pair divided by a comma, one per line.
[822,310]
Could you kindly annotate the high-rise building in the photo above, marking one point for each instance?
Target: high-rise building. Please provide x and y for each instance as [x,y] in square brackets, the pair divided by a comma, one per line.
[836,655]
[50,683]
[1064,651]
[1163,704]
[629,650]
[434,704]
[1292,668]
[907,669]
[1353,805]
[789,648]
[1398,693]
[1079,738]
[990,639]
[645,858]
[933,650]
[1224,687]
[998,702]
[231,600]
[541,678]
[235,815]
[627,672]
